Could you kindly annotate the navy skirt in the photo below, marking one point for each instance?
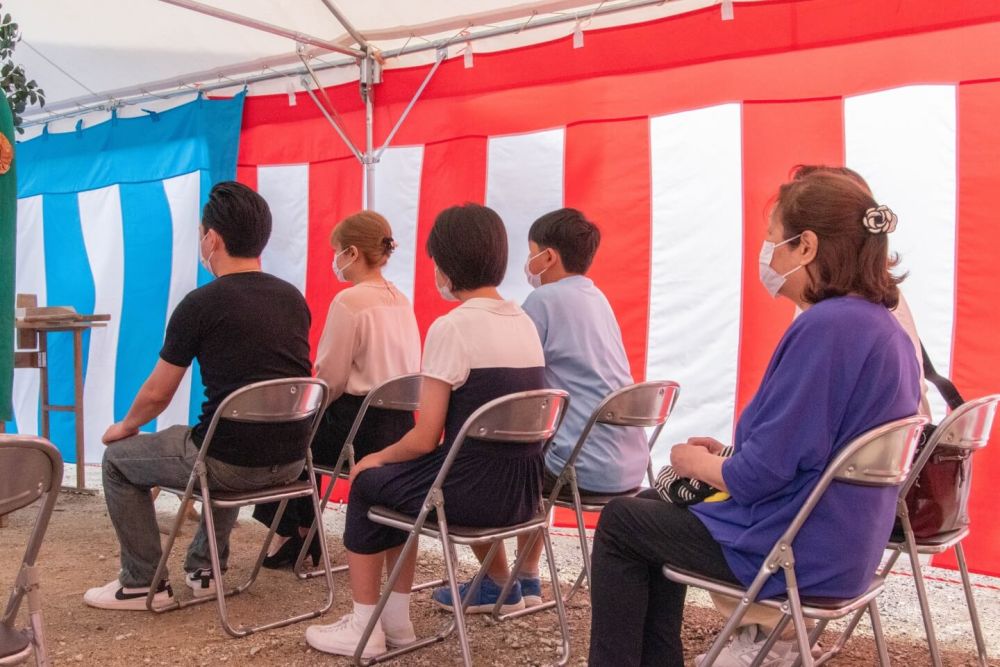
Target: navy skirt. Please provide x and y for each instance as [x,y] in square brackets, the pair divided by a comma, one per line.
[489,485]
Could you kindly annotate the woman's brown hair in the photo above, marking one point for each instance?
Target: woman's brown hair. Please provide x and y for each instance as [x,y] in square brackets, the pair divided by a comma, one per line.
[850,259]
[367,231]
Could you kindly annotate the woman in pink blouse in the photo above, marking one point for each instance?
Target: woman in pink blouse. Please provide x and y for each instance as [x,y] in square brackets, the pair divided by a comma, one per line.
[370,336]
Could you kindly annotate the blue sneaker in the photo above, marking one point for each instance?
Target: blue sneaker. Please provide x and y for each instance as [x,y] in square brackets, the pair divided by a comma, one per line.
[483,600]
[531,591]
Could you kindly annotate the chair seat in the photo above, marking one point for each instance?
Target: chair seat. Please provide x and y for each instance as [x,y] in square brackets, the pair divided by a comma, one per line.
[934,544]
[296,489]
[458,534]
[592,503]
[12,642]
[823,607]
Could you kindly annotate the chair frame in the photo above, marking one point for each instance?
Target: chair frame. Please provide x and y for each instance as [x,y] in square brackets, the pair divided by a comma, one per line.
[858,462]
[398,393]
[486,423]
[628,406]
[242,405]
[27,582]
[967,427]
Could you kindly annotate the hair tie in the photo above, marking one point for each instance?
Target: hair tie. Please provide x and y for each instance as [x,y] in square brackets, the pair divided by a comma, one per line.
[388,245]
[880,220]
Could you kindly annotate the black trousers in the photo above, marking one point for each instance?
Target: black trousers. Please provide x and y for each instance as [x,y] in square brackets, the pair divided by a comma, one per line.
[379,429]
[637,612]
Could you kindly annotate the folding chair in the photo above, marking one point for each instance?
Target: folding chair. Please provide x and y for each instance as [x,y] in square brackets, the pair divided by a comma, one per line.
[398,393]
[30,469]
[968,428]
[880,457]
[519,419]
[290,400]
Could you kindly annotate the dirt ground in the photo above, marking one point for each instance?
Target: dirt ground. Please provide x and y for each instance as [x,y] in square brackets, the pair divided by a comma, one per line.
[80,551]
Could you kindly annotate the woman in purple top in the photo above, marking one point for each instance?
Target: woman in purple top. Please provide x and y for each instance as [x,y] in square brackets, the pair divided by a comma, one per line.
[843,367]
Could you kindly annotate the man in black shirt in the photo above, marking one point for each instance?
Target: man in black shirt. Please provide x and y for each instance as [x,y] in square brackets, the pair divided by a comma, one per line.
[243,327]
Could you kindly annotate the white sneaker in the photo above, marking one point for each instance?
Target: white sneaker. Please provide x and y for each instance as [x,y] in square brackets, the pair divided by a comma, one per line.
[201,582]
[402,635]
[113,595]
[745,645]
[342,638]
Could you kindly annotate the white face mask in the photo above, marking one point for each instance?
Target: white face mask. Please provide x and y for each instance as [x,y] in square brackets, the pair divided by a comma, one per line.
[205,261]
[534,279]
[339,270]
[771,279]
[443,289]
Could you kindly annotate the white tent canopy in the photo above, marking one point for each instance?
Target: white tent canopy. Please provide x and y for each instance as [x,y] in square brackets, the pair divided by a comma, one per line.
[104,54]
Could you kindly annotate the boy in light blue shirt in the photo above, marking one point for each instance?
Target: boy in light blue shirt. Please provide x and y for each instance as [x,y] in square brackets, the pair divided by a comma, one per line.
[585,356]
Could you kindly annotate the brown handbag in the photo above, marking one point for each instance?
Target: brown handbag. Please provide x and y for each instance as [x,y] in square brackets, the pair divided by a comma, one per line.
[938,501]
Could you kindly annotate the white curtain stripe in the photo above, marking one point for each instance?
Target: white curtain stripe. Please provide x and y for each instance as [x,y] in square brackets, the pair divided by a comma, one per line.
[183,195]
[903,141]
[29,278]
[397,197]
[286,189]
[696,268]
[524,180]
[101,223]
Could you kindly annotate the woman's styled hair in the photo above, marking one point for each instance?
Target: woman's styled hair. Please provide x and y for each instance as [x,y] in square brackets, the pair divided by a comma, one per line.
[367,231]
[851,258]
[469,245]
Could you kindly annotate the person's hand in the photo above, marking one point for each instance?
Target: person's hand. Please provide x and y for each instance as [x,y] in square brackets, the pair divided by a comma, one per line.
[711,444]
[116,432]
[370,461]
[686,458]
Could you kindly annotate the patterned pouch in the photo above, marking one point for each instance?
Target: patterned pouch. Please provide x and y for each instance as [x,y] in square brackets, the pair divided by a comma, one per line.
[684,491]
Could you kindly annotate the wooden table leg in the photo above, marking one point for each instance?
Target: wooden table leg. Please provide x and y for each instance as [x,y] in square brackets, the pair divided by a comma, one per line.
[81,476]
[43,381]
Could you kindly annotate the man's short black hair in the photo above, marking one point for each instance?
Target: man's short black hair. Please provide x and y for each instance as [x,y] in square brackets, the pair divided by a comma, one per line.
[569,233]
[240,216]
[469,245]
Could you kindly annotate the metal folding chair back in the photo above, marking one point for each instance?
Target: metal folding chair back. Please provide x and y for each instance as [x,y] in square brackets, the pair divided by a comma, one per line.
[644,405]
[400,393]
[292,401]
[519,420]
[968,429]
[31,469]
[881,457]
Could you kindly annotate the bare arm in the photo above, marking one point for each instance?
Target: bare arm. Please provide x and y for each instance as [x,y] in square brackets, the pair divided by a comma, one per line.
[152,399]
[423,438]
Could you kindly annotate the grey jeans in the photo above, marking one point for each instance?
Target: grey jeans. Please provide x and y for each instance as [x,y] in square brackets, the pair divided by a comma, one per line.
[134,465]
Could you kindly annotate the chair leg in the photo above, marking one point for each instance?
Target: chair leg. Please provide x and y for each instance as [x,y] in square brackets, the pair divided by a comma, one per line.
[213,551]
[973,612]
[772,638]
[161,567]
[582,534]
[30,578]
[925,609]
[324,554]
[876,619]
[798,620]
[298,567]
[848,632]
[557,595]
[450,562]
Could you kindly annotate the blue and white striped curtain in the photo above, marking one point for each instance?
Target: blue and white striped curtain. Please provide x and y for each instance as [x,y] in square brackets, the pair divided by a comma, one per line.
[108,223]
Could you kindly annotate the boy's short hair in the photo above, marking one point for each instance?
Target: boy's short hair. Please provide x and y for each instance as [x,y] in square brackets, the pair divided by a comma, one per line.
[567,231]
[240,216]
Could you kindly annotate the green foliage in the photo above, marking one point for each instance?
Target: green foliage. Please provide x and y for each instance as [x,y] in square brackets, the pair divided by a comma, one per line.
[20,91]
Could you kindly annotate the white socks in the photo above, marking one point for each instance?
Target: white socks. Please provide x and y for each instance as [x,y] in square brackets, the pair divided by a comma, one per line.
[362,614]
[397,610]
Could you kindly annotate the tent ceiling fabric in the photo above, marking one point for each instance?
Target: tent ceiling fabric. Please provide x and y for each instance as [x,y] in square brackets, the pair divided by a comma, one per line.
[82,53]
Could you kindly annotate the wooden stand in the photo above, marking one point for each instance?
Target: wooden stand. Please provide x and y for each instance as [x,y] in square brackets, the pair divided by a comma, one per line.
[33,326]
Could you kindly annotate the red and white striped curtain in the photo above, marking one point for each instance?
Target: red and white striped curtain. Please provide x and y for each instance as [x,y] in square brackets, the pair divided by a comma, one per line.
[673,136]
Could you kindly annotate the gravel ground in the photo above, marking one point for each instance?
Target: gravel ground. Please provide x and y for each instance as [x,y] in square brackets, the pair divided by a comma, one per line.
[81,551]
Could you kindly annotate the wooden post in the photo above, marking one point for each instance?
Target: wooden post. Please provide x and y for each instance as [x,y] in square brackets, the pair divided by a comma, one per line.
[81,473]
